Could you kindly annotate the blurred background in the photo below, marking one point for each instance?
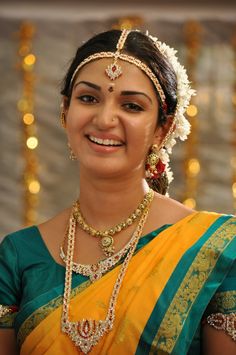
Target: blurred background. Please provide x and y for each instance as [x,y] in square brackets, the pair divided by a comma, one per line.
[38,40]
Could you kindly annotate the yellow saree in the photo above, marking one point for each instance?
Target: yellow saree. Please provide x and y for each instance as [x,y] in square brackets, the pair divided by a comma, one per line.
[170,282]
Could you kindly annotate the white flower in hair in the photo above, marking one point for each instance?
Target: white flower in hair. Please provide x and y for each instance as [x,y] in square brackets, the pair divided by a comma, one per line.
[164,156]
[184,92]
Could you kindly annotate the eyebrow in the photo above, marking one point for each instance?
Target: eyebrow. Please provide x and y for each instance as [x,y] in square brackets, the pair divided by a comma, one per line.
[94,86]
[127,93]
[123,93]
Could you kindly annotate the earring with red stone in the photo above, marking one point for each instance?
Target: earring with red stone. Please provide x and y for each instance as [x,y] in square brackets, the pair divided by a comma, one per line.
[154,167]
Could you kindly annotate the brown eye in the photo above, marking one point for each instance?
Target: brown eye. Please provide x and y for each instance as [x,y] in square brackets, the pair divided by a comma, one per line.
[132,107]
[88,99]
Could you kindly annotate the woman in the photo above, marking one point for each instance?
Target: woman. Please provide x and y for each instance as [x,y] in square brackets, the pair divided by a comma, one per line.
[124,270]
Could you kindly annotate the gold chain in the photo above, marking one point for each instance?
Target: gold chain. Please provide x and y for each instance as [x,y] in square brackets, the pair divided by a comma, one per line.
[86,333]
[107,241]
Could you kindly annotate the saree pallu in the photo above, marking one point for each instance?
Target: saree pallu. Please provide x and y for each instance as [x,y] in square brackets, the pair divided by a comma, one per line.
[169,283]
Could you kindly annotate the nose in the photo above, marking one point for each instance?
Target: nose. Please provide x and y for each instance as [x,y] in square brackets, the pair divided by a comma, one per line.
[106,116]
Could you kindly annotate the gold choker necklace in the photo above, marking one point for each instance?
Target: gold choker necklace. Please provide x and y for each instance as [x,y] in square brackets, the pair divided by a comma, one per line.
[106,236]
[86,333]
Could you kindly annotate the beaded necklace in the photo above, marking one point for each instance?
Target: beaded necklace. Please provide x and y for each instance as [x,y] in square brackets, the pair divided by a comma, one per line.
[106,236]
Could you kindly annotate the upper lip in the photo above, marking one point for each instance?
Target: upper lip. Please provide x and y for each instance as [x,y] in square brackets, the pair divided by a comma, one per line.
[104,136]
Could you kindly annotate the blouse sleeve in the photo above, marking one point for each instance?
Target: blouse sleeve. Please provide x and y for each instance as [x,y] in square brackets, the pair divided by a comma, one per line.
[224,300]
[9,283]
[221,312]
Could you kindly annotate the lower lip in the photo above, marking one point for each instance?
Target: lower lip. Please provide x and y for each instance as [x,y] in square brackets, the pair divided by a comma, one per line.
[104,149]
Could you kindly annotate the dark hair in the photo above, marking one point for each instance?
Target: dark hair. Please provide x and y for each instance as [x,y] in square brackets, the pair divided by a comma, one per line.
[137,45]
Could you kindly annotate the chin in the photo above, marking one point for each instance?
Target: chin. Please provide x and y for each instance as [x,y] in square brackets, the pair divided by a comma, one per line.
[103,169]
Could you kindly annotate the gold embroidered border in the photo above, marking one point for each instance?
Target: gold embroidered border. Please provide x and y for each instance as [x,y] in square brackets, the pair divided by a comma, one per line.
[223,302]
[197,274]
[41,313]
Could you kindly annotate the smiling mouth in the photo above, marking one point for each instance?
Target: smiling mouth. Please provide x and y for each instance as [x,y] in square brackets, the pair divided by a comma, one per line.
[105,142]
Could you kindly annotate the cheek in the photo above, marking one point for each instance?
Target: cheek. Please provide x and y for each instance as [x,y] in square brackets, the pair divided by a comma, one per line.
[76,119]
[140,138]
[142,130]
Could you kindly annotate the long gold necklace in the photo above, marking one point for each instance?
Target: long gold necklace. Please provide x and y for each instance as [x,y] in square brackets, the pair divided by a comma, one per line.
[86,333]
[106,236]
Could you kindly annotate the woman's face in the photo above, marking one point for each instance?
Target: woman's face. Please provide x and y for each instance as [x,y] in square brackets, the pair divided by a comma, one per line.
[112,124]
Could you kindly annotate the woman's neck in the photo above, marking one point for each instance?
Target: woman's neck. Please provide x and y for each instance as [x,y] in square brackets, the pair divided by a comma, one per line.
[105,202]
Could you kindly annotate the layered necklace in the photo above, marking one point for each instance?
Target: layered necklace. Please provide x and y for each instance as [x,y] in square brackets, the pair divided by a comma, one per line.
[86,333]
[95,271]
[106,236]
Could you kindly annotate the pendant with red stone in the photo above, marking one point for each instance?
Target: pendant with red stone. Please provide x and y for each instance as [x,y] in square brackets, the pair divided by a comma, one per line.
[113,71]
[86,328]
[86,333]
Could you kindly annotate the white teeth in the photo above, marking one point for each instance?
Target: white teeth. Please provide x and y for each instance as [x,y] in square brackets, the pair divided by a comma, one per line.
[104,141]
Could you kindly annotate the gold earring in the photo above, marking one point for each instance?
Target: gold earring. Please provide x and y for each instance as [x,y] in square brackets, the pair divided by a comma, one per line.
[63,119]
[72,155]
[154,167]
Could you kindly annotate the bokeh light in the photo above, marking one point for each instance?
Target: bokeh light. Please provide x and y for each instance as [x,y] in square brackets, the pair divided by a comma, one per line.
[32,142]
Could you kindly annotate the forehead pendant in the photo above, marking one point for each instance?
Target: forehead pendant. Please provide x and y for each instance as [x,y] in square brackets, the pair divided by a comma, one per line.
[114,70]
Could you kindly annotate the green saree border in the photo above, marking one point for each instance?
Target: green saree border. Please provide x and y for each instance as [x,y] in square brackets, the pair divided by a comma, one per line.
[223,262]
[42,312]
[162,320]
[185,300]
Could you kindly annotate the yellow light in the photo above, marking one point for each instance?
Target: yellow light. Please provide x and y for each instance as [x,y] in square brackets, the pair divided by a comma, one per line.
[192,110]
[190,202]
[193,167]
[32,142]
[234,189]
[29,59]
[28,118]
[34,187]
[233,162]
[22,105]
[234,99]
[31,216]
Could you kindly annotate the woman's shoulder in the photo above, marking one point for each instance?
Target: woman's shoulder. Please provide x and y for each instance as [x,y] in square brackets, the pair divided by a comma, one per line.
[18,243]
[167,210]
[175,210]
[57,224]
[19,235]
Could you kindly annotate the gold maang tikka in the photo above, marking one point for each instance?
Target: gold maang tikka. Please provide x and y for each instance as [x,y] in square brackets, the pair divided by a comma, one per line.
[113,71]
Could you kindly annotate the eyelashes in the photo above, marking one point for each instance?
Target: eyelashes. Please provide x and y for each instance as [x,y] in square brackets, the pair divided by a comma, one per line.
[130,106]
[87,99]
[127,106]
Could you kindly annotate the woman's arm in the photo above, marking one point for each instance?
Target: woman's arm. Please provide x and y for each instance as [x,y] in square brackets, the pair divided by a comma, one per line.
[217,342]
[8,344]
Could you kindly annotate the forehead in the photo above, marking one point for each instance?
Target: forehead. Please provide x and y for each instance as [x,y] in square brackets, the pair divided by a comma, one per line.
[132,77]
